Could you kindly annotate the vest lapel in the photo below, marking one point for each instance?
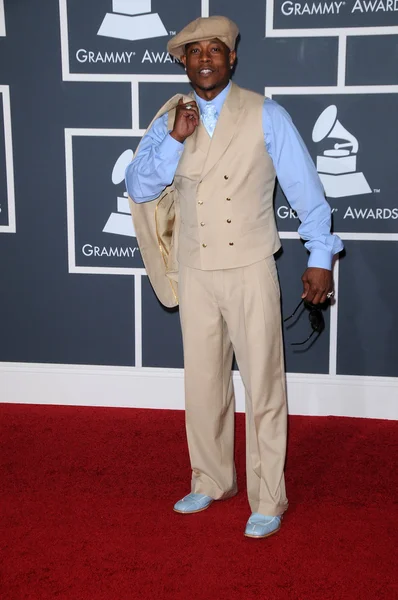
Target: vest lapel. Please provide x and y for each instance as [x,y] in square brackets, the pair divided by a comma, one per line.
[200,139]
[226,128]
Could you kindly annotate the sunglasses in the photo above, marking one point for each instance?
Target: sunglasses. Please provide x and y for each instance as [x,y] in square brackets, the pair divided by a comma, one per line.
[315,317]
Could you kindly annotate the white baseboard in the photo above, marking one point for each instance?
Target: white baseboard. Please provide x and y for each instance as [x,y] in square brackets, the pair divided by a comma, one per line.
[76,385]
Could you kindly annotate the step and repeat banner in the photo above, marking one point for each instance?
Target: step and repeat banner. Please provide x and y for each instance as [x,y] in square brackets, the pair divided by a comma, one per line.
[80,81]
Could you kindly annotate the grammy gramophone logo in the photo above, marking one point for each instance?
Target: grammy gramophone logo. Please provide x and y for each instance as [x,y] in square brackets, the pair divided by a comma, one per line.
[337,166]
[132,20]
[121,222]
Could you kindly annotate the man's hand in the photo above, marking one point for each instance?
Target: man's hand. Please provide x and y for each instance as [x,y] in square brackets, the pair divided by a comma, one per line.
[317,283]
[186,121]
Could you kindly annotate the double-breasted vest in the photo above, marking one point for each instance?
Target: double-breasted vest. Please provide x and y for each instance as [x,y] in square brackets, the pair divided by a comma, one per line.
[218,213]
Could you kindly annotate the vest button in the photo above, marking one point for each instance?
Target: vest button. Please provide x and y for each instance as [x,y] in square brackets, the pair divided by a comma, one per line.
[228,199]
[202,224]
[200,202]
[228,220]
[204,245]
[231,243]
[226,177]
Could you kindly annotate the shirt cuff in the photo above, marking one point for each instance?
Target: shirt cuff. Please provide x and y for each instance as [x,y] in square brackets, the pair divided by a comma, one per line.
[170,148]
[322,259]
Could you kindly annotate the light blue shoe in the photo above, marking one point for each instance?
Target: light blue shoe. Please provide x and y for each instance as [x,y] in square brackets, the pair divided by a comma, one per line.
[261,526]
[193,503]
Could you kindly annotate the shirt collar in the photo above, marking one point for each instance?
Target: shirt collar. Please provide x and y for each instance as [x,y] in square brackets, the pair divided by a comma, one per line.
[218,101]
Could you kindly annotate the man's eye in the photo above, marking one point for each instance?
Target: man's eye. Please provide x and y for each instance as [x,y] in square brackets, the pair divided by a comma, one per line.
[194,50]
[215,49]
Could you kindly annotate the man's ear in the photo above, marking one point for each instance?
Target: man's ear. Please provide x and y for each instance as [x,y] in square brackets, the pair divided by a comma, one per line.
[183,59]
[232,58]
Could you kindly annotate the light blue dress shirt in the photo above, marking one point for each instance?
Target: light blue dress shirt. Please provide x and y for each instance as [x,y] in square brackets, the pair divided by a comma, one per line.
[156,162]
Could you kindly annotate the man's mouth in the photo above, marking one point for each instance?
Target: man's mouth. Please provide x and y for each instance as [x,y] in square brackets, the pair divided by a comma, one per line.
[206,71]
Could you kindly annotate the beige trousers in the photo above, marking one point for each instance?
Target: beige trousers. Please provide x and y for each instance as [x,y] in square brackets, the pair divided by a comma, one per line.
[221,312]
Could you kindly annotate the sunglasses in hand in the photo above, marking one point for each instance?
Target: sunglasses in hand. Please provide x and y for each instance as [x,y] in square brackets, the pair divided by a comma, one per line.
[315,317]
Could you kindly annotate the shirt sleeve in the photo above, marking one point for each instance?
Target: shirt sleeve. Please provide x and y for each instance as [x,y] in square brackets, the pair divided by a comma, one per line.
[155,163]
[301,185]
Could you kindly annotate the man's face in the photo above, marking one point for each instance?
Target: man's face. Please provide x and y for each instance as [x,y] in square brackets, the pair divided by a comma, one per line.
[208,64]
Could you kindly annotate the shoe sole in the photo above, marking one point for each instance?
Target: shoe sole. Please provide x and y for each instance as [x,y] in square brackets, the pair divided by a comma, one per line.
[192,512]
[261,537]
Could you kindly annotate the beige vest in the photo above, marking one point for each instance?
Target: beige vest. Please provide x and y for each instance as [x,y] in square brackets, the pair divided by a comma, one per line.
[225,190]
[218,214]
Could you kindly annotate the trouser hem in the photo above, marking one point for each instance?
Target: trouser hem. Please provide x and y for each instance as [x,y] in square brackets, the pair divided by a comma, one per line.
[270,510]
[213,492]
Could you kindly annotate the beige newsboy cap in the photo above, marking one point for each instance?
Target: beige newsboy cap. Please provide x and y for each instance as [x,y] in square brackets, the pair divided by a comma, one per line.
[204,28]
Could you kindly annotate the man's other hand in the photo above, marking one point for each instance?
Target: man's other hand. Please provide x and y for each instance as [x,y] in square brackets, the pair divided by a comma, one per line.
[317,283]
[186,120]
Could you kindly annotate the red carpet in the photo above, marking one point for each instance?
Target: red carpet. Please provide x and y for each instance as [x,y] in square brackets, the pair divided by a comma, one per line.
[87,499]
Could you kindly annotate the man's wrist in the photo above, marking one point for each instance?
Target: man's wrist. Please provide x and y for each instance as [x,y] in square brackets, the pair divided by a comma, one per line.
[177,137]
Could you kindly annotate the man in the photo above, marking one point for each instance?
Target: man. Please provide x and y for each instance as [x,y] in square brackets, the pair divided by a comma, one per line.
[210,161]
